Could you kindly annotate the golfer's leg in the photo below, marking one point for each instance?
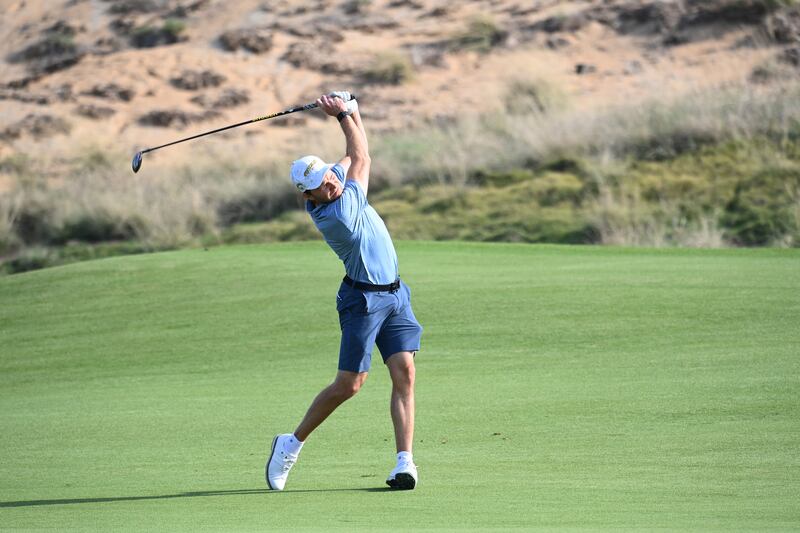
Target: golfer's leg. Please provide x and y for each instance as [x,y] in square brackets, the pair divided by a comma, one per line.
[345,386]
[401,370]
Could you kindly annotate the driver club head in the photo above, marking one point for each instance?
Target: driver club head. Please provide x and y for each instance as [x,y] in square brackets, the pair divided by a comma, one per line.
[136,164]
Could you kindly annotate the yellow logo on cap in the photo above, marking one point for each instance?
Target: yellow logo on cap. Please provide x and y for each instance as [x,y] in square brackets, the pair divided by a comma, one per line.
[309,168]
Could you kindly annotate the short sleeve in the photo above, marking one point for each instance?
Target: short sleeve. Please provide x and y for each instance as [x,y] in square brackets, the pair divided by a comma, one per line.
[351,203]
[339,171]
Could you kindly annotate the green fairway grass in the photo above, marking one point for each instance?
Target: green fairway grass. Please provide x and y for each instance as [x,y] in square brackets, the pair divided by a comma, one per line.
[557,387]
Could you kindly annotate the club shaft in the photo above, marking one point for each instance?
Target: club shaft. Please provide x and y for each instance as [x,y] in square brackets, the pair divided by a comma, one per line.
[258,119]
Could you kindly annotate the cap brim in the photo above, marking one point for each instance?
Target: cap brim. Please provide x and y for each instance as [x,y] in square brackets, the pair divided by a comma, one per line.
[318,176]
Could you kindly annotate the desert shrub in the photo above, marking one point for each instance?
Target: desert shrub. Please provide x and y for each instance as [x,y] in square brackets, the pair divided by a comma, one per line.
[52,45]
[18,164]
[621,216]
[560,162]
[192,80]
[669,145]
[173,27]
[9,241]
[390,68]
[36,125]
[774,5]
[356,7]
[481,35]
[94,112]
[659,130]
[764,207]
[257,204]
[534,96]
[404,195]
[165,118]
[170,32]
[729,193]
[111,91]
[76,251]
[664,203]
[501,178]
[255,40]
[561,23]
[515,214]
[436,212]
[443,200]
[404,157]
[55,51]
[32,258]
[91,206]
[556,226]
[126,7]
[93,160]
[291,226]
[554,188]
[98,226]
[34,221]
[146,37]
[226,99]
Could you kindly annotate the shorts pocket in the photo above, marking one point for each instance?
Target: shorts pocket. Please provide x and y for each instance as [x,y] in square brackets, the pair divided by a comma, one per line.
[350,300]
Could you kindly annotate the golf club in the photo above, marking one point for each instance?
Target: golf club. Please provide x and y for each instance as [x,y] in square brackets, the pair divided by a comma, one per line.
[136,164]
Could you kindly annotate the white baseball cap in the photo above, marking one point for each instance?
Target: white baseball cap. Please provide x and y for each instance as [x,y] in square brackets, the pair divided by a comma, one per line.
[308,172]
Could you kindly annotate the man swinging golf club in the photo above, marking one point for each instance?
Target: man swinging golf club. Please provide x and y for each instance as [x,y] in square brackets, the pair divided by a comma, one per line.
[374,305]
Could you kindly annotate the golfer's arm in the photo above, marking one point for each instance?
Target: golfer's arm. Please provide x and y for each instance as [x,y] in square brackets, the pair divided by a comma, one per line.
[357,151]
[357,119]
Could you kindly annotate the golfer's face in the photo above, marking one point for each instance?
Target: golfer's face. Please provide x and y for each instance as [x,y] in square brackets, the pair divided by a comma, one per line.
[330,189]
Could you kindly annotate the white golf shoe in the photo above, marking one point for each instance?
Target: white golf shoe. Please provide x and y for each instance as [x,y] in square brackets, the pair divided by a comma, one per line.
[404,476]
[279,463]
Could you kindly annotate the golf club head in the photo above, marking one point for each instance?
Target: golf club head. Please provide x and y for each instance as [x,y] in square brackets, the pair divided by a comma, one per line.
[136,164]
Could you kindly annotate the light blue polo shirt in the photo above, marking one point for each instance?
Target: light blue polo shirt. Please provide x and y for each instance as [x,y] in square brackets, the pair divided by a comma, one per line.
[353,229]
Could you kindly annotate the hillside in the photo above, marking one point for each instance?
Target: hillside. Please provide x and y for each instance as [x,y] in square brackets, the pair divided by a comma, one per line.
[107,74]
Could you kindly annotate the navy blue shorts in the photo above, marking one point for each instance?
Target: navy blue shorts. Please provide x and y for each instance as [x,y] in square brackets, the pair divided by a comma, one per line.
[369,318]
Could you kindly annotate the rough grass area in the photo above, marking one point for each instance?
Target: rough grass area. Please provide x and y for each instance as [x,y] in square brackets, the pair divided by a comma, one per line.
[707,169]
[733,193]
[558,388]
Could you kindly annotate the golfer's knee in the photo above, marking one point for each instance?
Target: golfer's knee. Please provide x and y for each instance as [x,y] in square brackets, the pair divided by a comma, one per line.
[409,374]
[403,372]
[349,390]
[347,387]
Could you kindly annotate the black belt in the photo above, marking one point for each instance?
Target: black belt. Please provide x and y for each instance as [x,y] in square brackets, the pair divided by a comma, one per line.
[370,287]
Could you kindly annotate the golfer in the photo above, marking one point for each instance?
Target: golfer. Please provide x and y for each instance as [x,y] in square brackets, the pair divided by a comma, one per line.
[374,305]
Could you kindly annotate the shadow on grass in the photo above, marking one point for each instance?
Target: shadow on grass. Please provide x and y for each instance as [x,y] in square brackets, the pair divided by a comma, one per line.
[66,501]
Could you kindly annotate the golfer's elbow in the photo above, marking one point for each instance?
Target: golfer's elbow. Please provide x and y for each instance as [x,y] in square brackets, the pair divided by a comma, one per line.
[363,158]
[359,153]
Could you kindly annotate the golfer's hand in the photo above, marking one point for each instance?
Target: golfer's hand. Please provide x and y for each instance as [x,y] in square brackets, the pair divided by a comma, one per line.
[331,105]
[344,95]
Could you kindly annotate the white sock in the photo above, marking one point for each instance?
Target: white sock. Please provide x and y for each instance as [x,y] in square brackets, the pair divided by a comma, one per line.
[404,457]
[292,445]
